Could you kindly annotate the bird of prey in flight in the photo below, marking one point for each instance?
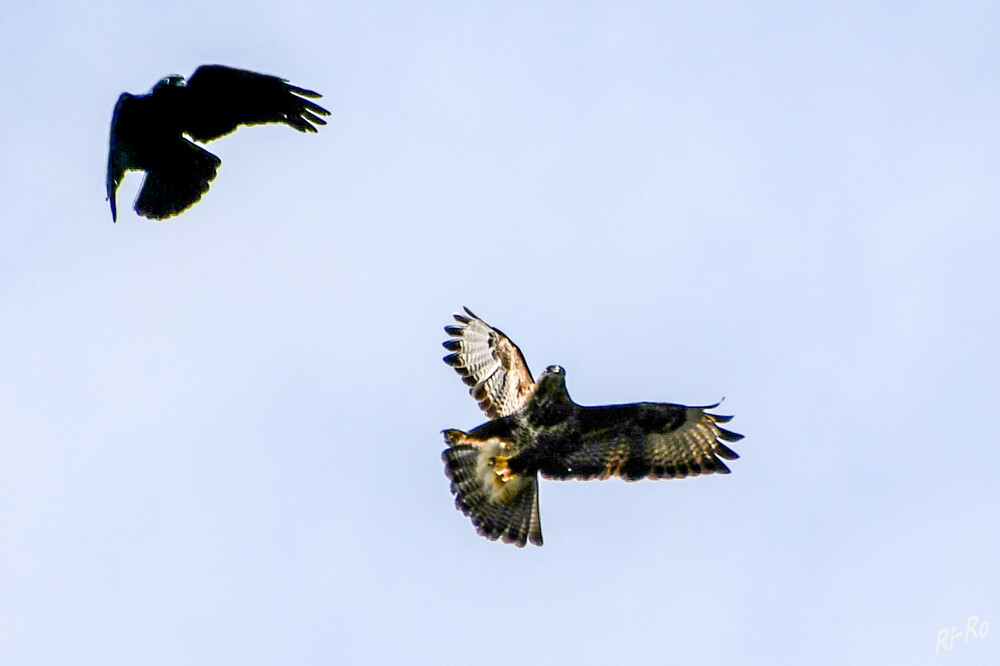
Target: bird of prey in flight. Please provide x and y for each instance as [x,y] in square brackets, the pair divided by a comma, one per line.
[536,427]
[148,131]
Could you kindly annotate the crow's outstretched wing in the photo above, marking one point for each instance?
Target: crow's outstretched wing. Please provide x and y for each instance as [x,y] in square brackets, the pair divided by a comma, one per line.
[490,364]
[218,99]
[118,161]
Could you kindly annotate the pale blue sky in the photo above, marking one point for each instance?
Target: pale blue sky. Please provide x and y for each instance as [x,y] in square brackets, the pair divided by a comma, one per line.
[220,435]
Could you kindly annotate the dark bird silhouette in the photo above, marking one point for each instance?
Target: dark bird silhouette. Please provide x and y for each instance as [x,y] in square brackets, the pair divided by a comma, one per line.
[537,428]
[147,131]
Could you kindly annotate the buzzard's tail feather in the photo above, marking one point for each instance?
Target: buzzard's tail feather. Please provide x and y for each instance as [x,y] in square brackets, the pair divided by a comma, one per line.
[500,508]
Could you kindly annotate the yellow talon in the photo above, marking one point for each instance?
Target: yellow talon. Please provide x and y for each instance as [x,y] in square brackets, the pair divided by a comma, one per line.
[501,468]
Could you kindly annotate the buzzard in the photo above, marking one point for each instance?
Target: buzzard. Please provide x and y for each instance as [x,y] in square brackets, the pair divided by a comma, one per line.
[536,427]
[147,131]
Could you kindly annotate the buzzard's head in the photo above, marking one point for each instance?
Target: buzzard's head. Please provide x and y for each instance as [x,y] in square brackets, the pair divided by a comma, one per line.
[550,403]
[552,381]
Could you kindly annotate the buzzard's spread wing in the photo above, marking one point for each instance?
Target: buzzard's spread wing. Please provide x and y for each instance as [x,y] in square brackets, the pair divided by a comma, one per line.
[218,99]
[490,363]
[645,440]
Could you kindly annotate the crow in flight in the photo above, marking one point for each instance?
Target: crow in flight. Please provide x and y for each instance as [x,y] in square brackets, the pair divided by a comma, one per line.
[147,131]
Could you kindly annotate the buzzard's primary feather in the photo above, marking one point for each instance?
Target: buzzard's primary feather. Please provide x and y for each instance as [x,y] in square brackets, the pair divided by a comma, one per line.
[147,131]
[536,428]
[490,363]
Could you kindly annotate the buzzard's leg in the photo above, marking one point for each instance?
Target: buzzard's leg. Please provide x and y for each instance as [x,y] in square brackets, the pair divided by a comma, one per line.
[498,464]
[501,468]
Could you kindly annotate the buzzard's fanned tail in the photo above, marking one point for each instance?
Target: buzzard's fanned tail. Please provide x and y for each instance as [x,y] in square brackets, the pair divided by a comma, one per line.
[500,506]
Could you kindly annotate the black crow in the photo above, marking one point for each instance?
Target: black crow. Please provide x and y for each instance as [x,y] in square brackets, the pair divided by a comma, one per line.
[147,131]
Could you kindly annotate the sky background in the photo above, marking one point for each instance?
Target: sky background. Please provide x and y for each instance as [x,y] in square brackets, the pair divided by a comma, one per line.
[220,434]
